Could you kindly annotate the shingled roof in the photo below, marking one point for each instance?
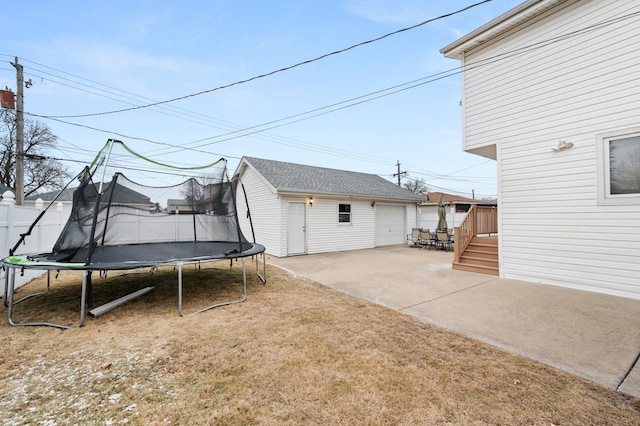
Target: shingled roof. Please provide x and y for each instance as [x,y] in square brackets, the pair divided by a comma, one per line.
[298,178]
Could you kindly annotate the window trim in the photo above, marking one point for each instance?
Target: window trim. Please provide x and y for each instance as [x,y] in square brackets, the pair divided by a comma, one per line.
[350,213]
[603,168]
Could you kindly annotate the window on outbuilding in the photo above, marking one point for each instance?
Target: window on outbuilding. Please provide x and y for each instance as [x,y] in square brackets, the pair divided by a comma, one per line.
[344,213]
[619,167]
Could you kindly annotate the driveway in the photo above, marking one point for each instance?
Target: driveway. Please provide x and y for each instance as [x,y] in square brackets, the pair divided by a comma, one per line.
[592,335]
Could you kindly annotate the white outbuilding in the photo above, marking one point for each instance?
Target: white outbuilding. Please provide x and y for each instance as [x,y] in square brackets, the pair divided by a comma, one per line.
[299,209]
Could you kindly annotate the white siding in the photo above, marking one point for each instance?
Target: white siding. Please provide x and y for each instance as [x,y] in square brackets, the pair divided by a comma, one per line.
[325,234]
[412,218]
[390,224]
[429,217]
[551,228]
[265,213]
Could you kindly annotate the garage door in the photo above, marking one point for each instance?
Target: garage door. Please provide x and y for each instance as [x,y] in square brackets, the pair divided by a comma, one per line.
[389,225]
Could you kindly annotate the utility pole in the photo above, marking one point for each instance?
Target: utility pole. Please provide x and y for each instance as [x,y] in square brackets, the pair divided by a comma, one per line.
[399,174]
[19,181]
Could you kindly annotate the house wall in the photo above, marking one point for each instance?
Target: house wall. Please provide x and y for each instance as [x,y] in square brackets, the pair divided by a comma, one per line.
[429,217]
[265,210]
[325,234]
[551,227]
[413,218]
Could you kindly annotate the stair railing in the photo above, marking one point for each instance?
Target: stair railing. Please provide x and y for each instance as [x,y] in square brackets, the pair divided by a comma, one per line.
[478,220]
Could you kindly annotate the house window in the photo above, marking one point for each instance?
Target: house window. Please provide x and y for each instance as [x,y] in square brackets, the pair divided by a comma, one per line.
[344,213]
[619,167]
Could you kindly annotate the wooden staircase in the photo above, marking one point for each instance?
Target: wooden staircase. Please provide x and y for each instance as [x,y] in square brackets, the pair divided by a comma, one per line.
[480,255]
[476,242]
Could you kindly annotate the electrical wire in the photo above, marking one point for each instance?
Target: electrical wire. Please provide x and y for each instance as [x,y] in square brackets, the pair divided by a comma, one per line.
[326,55]
[362,99]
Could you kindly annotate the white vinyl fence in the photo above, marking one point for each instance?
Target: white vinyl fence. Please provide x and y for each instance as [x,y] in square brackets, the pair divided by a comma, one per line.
[16,220]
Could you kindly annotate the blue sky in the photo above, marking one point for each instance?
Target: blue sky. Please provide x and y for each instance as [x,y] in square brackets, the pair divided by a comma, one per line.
[96,57]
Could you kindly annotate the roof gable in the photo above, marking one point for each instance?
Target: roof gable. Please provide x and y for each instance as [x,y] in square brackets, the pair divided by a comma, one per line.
[298,178]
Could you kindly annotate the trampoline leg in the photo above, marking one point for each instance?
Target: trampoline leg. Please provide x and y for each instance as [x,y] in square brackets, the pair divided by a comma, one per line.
[83,297]
[244,292]
[29,296]
[6,286]
[262,277]
[11,285]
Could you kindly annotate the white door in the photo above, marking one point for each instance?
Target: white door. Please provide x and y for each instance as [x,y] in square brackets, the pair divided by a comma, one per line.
[390,227]
[295,229]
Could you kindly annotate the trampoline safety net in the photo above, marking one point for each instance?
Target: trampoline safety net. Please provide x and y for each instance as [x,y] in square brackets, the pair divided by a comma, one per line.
[117,220]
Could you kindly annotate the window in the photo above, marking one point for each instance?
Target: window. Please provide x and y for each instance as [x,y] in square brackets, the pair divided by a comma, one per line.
[344,213]
[619,167]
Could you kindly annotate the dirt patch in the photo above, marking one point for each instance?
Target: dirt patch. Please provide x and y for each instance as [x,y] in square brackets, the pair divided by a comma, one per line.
[295,352]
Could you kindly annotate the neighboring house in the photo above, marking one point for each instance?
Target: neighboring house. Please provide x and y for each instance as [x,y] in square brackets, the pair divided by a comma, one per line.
[551,92]
[298,209]
[125,196]
[179,205]
[65,199]
[456,207]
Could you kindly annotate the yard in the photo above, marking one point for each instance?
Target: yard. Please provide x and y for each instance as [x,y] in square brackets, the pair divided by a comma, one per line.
[295,352]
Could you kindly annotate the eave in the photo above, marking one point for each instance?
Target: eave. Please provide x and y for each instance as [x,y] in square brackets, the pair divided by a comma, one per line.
[503,23]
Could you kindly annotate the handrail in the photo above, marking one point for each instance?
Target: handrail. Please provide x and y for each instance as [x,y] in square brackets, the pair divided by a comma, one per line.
[478,220]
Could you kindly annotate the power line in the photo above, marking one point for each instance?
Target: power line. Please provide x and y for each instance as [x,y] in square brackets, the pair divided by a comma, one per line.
[357,100]
[361,99]
[397,88]
[380,93]
[326,55]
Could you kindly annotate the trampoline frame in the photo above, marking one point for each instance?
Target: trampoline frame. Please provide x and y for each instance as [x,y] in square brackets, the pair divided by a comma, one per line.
[9,288]
[85,257]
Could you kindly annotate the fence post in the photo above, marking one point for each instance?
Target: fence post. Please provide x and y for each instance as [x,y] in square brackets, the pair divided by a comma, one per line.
[9,199]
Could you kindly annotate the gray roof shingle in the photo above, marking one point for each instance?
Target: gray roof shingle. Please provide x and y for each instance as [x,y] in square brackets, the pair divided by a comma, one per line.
[319,180]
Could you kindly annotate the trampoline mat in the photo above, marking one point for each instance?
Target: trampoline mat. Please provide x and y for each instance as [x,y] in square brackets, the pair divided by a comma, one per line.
[131,256]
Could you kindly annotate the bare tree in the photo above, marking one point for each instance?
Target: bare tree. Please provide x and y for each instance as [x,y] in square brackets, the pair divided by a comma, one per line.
[40,171]
[417,186]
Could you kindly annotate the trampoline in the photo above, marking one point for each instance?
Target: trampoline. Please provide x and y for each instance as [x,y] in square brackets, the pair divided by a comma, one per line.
[118,224]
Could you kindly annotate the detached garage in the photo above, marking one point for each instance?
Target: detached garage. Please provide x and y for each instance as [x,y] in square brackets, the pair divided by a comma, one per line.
[298,209]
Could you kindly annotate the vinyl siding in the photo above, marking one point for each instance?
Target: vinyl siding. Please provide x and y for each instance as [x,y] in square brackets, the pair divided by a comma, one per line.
[412,218]
[552,229]
[265,212]
[325,234]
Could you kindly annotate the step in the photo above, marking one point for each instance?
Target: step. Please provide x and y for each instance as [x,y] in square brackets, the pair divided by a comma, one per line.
[479,261]
[481,246]
[480,254]
[475,268]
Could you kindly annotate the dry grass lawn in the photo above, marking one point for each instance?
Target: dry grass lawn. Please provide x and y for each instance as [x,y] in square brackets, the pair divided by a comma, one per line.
[295,352]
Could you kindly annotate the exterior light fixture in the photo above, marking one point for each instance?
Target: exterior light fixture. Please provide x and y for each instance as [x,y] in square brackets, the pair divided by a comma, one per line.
[562,145]
[311,201]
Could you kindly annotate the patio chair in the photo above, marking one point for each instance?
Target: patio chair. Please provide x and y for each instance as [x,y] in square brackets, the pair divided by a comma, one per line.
[413,239]
[425,238]
[442,240]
